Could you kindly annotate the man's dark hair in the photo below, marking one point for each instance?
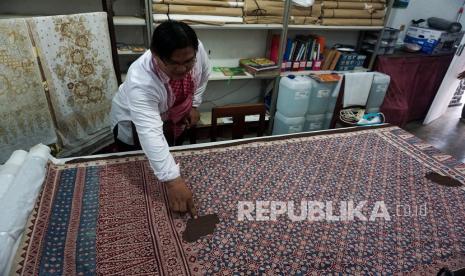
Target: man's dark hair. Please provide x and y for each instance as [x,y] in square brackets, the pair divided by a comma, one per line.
[172,35]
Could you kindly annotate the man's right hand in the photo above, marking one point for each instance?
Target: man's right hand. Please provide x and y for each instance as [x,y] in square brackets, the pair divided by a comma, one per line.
[461,76]
[180,196]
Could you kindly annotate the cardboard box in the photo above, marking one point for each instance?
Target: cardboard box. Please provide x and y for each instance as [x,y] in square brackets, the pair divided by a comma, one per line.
[433,41]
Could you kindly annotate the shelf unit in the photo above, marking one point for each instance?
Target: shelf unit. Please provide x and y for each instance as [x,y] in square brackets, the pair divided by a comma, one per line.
[308,72]
[287,26]
[238,27]
[121,20]
[130,53]
[334,28]
[218,76]
[124,23]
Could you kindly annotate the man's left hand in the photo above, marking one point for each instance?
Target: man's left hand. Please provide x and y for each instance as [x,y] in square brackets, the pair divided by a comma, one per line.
[194,117]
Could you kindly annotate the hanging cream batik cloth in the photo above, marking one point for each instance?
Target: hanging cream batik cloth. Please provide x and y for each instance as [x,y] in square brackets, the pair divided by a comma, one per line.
[25,119]
[75,52]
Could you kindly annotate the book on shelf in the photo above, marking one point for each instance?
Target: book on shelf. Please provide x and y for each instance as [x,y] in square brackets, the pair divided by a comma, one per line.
[259,66]
[337,56]
[339,60]
[263,62]
[232,71]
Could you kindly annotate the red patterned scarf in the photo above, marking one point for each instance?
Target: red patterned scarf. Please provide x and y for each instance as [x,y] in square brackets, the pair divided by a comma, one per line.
[181,94]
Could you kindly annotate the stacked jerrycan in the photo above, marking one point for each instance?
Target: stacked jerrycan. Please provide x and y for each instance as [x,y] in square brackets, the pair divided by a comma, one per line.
[305,104]
[323,97]
[292,105]
[378,91]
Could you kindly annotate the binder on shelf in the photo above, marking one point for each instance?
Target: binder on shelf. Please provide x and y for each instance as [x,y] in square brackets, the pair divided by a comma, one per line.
[288,65]
[295,66]
[274,48]
[309,65]
[303,53]
[316,65]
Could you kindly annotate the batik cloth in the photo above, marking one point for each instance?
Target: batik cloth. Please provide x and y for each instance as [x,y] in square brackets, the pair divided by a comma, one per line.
[75,53]
[25,119]
[111,217]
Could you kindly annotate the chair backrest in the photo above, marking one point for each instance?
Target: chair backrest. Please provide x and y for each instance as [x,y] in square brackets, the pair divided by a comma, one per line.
[238,113]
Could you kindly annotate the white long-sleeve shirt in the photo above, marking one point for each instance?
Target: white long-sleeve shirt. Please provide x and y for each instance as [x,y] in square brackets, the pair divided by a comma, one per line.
[143,99]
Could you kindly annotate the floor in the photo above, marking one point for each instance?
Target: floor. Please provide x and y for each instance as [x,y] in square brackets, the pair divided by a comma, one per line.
[446,133]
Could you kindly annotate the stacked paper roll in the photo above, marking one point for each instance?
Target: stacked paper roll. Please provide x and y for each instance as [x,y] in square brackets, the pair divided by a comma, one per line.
[226,4]
[352,5]
[353,12]
[218,12]
[268,11]
[347,13]
[364,1]
[297,20]
[351,22]
[198,11]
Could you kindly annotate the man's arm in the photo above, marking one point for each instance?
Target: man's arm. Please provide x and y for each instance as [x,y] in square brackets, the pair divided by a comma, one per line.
[146,117]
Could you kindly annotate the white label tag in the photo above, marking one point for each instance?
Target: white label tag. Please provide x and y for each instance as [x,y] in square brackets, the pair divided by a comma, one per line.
[294,129]
[314,126]
[302,95]
[381,88]
[323,94]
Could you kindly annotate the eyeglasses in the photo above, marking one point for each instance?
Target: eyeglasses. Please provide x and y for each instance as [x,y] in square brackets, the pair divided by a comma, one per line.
[173,64]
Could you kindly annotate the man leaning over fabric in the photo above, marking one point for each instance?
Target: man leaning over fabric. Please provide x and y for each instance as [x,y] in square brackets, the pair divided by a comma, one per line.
[158,102]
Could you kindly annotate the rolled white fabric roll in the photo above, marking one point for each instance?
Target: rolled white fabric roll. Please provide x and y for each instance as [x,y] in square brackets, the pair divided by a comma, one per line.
[40,151]
[9,170]
[6,245]
[18,201]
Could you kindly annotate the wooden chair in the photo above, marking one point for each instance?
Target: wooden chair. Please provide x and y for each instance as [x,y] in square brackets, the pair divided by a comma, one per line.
[238,113]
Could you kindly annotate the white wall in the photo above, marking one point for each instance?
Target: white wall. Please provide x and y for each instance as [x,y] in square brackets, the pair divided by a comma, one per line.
[225,48]
[423,9]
